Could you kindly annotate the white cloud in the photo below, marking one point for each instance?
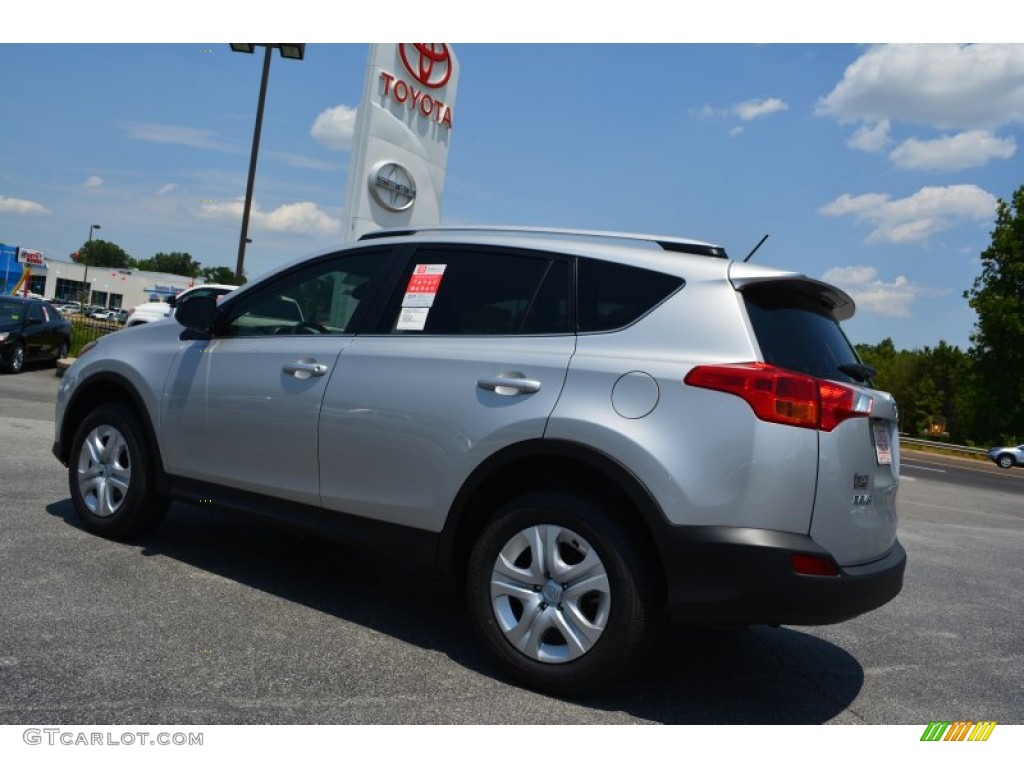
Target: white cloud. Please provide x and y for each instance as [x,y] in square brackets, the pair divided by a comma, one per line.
[92,182]
[943,86]
[871,137]
[969,149]
[300,218]
[335,127]
[167,189]
[918,217]
[746,111]
[755,108]
[872,294]
[707,112]
[20,207]
[176,134]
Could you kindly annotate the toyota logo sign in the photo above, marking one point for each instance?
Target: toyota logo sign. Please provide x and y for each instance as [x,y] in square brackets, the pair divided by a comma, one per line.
[429,63]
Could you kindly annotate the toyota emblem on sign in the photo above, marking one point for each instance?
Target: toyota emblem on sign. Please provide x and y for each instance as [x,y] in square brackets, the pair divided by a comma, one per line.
[428,63]
[392,186]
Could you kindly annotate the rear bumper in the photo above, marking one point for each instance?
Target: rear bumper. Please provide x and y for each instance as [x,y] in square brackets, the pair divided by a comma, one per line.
[726,576]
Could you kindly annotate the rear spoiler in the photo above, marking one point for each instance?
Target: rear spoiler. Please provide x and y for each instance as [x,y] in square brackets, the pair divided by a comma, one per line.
[837,302]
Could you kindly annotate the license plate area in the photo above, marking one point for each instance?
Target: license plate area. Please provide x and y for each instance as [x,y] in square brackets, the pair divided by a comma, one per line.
[883,445]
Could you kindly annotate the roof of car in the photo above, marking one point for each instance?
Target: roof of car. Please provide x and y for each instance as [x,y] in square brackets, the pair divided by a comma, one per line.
[665,242]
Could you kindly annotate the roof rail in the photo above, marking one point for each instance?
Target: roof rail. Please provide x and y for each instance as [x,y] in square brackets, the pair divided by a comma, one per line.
[675,244]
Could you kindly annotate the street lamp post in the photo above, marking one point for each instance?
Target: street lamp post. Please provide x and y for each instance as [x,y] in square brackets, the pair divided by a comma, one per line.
[85,278]
[288,51]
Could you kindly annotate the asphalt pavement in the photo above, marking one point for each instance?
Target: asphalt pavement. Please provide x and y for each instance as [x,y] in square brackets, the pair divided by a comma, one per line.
[216,619]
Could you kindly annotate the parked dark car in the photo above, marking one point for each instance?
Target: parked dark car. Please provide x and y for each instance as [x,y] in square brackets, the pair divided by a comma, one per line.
[31,329]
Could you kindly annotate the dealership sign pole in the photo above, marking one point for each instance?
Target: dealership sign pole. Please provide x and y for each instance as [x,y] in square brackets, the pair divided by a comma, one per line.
[403,130]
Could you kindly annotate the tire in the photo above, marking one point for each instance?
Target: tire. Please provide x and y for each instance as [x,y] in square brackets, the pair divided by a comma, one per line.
[16,361]
[110,474]
[575,633]
[1005,461]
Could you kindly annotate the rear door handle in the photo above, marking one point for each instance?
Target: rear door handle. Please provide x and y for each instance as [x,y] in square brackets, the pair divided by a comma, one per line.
[509,384]
[301,370]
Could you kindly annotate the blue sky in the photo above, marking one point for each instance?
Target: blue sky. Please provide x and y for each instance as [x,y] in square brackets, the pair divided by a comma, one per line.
[874,167]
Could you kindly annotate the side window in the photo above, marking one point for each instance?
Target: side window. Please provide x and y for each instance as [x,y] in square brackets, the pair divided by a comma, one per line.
[613,295]
[328,297]
[469,292]
[35,312]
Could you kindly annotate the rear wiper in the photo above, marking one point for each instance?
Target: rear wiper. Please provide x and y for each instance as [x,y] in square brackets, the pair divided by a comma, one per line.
[859,371]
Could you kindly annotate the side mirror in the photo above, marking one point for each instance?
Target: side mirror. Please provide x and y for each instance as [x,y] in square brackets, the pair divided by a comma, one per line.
[197,314]
[173,301]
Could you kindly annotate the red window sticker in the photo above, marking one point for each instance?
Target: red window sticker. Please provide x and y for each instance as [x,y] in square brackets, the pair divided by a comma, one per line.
[423,285]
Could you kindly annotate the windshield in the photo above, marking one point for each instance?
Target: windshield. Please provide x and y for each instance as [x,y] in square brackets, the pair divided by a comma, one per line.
[11,311]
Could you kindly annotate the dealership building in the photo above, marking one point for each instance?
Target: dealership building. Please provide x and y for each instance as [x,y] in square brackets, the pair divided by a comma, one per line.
[102,286]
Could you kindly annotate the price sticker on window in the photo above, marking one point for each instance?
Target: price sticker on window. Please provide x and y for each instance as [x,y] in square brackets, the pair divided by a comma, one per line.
[423,285]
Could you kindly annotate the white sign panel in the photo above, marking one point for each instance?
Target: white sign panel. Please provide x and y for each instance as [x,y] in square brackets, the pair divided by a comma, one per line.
[31,258]
[403,129]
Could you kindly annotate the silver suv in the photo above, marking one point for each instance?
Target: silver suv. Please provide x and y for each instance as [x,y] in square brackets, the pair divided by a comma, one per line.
[590,430]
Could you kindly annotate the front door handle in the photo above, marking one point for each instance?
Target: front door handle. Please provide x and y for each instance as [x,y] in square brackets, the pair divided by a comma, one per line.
[303,370]
[509,384]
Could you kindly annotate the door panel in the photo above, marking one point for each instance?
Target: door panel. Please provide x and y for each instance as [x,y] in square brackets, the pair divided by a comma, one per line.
[243,413]
[407,418]
[242,410]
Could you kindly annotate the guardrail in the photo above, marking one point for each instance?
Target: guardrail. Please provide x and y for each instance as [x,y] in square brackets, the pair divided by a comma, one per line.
[914,442]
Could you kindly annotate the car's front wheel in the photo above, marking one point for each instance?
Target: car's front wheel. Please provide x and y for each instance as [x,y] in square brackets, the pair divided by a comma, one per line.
[1005,461]
[111,475]
[562,594]
[15,359]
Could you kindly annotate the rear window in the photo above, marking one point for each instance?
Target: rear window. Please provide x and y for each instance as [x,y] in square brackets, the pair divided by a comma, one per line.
[613,295]
[796,332]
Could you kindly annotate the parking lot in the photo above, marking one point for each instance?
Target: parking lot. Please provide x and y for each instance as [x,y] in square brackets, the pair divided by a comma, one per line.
[213,619]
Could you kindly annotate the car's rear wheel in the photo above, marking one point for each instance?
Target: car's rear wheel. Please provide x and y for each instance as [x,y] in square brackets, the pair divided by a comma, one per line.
[111,475]
[1006,461]
[562,594]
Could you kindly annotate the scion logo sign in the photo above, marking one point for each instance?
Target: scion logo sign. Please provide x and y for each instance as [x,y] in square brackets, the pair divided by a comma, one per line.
[392,186]
[430,66]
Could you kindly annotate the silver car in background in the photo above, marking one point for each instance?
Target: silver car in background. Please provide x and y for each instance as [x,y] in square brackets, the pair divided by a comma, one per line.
[1007,457]
[592,431]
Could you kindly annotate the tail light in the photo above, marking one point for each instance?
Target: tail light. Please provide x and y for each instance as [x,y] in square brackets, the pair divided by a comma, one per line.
[782,396]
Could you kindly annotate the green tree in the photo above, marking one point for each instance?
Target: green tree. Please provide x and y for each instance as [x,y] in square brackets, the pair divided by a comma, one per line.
[175,263]
[929,385]
[224,275]
[103,253]
[997,296]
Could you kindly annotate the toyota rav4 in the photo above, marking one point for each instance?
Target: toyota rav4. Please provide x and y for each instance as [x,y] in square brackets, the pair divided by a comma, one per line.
[592,431]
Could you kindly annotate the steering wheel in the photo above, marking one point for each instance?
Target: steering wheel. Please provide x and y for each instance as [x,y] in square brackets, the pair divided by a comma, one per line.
[307,326]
